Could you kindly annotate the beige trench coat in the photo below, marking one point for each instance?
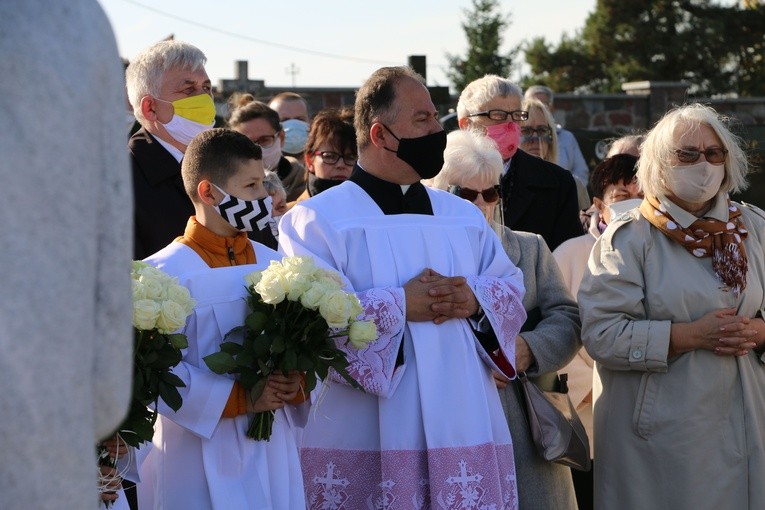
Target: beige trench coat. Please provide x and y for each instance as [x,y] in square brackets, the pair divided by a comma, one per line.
[680,433]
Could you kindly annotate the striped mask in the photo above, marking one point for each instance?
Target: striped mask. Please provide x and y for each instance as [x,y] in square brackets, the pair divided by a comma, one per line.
[247,215]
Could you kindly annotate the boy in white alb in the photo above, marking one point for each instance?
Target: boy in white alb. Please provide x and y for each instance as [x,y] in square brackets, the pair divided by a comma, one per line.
[202,457]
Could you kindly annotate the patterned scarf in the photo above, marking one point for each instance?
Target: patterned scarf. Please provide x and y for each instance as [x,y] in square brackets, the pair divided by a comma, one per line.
[707,237]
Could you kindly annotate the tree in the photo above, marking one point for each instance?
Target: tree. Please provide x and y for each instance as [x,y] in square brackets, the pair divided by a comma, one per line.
[483,29]
[718,50]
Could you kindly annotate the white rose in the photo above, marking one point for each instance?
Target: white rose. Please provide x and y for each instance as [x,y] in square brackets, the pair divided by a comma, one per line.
[299,283]
[180,294]
[361,333]
[145,314]
[312,297]
[329,283]
[301,265]
[336,309]
[152,287]
[139,292]
[171,318]
[272,287]
[333,276]
[253,278]
[356,308]
[136,268]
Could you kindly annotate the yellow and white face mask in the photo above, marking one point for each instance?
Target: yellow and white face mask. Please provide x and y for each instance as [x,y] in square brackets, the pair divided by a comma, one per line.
[191,116]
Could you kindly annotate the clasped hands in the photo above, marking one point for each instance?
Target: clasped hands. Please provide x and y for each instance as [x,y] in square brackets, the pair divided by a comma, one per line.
[720,331]
[279,390]
[434,297]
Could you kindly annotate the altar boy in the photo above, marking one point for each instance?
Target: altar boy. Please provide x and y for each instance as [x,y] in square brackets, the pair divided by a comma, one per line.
[202,456]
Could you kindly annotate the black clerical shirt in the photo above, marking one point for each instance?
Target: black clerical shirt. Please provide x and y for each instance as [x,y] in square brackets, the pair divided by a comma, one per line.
[389,197]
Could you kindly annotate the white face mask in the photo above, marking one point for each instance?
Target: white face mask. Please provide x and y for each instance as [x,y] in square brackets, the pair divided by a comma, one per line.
[618,208]
[695,183]
[184,130]
[272,155]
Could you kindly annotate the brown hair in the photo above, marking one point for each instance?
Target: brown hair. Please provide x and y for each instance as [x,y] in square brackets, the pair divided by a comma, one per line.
[244,108]
[375,100]
[215,155]
[334,126]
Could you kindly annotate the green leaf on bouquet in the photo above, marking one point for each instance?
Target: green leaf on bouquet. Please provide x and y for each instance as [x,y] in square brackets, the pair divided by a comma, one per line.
[257,389]
[220,362]
[172,379]
[290,361]
[166,358]
[277,344]
[178,341]
[245,359]
[170,396]
[256,321]
[264,369]
[232,348]
[143,428]
[310,381]
[261,345]
[304,363]
[322,370]
[248,377]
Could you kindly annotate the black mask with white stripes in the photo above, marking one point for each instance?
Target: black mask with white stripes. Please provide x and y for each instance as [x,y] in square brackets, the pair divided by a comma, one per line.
[246,215]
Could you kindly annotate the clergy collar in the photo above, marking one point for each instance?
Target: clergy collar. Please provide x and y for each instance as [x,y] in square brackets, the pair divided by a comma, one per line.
[393,198]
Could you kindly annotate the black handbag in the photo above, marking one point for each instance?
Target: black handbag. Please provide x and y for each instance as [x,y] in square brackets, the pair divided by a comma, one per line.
[556,430]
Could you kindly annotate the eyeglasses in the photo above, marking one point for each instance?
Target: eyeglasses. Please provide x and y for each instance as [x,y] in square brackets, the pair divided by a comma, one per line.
[516,115]
[715,155]
[541,131]
[332,158]
[489,195]
[265,141]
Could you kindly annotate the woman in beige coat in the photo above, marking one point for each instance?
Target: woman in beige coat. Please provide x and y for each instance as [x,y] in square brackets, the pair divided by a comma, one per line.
[550,337]
[672,305]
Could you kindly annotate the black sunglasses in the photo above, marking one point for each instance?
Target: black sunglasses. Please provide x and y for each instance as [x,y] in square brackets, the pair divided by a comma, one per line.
[715,155]
[489,194]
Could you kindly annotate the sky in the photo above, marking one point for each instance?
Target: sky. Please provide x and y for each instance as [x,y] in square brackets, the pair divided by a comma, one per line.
[328,42]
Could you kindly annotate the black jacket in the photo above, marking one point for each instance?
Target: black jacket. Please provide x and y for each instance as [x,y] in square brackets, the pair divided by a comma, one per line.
[540,197]
[162,207]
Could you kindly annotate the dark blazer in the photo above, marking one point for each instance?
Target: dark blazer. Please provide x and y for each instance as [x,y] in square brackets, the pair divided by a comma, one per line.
[540,197]
[162,207]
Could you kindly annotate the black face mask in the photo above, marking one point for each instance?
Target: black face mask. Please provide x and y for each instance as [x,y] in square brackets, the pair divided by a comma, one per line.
[316,185]
[425,153]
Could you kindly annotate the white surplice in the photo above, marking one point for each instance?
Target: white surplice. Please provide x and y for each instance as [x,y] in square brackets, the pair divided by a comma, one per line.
[429,433]
[200,460]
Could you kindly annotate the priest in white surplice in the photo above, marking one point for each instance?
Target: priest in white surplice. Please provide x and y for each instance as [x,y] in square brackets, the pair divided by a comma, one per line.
[428,432]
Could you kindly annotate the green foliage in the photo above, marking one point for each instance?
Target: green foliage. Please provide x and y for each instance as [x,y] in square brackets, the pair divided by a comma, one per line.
[154,355]
[279,339]
[716,49]
[483,29]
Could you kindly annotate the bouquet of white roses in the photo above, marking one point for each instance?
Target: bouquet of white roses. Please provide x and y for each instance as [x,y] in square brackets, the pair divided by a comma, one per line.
[160,307]
[297,310]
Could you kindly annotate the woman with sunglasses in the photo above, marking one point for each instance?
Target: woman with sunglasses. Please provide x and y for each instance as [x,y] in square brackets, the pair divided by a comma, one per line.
[550,336]
[672,305]
[330,151]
